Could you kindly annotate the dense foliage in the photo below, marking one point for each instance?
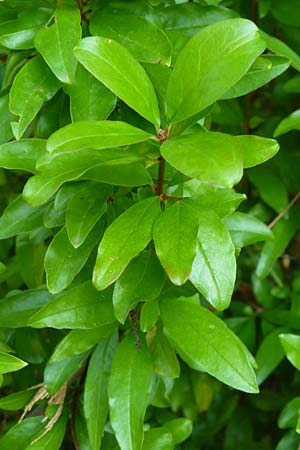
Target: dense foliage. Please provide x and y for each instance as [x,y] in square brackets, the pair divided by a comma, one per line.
[149,229]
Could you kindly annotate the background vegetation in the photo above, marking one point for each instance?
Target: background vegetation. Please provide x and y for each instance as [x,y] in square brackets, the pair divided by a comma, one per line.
[128,124]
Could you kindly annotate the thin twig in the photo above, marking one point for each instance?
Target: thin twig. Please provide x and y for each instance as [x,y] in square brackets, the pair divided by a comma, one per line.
[284,211]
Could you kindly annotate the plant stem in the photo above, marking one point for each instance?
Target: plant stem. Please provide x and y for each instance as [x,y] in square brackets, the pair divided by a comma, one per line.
[284,211]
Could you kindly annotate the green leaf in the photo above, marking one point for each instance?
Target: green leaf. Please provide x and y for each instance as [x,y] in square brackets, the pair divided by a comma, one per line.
[269,355]
[149,315]
[256,149]
[54,437]
[245,229]
[283,231]
[281,49]
[63,262]
[9,363]
[95,398]
[57,373]
[181,428]
[124,239]
[214,268]
[56,40]
[5,118]
[21,434]
[133,285]
[17,400]
[289,13]
[95,134]
[129,391]
[144,39]
[19,217]
[211,157]
[290,440]
[289,123]
[22,155]
[81,307]
[84,210]
[158,438]
[30,255]
[17,308]
[291,344]
[191,91]
[289,416]
[106,59]
[89,99]
[32,86]
[163,356]
[206,344]
[175,239]
[263,70]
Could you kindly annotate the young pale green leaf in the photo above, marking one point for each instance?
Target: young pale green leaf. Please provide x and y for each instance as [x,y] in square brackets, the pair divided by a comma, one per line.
[54,437]
[289,416]
[256,149]
[206,344]
[63,262]
[19,217]
[289,123]
[9,363]
[165,362]
[291,344]
[22,155]
[81,307]
[57,373]
[32,86]
[214,268]
[181,428]
[95,397]
[89,99]
[268,356]
[56,40]
[149,315]
[16,309]
[124,239]
[175,239]
[190,91]
[79,341]
[95,134]
[106,59]
[21,434]
[144,39]
[264,69]
[283,231]
[129,392]
[211,157]
[245,229]
[142,280]
[158,438]
[84,210]
[17,400]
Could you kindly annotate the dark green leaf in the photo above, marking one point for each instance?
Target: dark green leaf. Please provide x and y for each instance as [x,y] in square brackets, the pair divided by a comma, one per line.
[289,416]
[291,344]
[21,434]
[16,401]
[269,355]
[54,437]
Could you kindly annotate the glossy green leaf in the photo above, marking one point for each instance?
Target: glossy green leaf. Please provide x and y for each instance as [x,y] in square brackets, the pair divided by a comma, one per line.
[289,416]
[149,315]
[81,307]
[21,434]
[84,210]
[129,391]
[32,86]
[56,40]
[181,428]
[54,438]
[158,438]
[30,257]
[19,217]
[175,239]
[105,59]
[165,362]
[134,284]
[256,150]
[263,70]
[191,91]
[291,345]
[82,433]
[17,400]
[95,398]
[9,363]
[269,355]
[281,49]
[89,99]
[5,118]
[95,134]
[245,229]
[63,262]
[124,239]
[290,440]
[211,157]
[57,373]
[206,344]
[214,268]
[17,308]
[289,123]
[22,155]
